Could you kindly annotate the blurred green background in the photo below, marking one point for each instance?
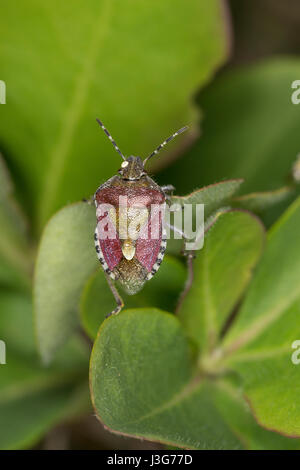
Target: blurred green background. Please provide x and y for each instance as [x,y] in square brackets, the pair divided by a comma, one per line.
[145,69]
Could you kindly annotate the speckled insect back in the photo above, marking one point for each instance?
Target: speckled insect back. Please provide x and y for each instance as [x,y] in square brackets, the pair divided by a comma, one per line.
[130,239]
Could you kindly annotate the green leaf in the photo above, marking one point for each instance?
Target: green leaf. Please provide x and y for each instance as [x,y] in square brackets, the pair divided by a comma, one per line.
[17,330]
[66,259]
[9,208]
[32,398]
[262,201]
[259,345]
[236,412]
[133,64]
[144,384]
[222,270]
[24,420]
[257,141]
[267,204]
[161,292]
[213,196]
[16,323]
[15,261]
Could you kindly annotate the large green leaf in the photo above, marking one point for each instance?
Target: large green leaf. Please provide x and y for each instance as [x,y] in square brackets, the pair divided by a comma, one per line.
[250,130]
[162,292]
[66,259]
[259,345]
[145,351]
[32,398]
[144,383]
[133,64]
[222,270]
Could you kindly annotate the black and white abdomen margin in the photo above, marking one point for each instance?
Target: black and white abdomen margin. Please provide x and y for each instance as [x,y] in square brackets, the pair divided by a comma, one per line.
[101,257]
[160,257]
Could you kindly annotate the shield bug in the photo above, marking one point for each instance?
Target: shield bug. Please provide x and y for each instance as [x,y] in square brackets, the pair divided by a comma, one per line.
[126,247]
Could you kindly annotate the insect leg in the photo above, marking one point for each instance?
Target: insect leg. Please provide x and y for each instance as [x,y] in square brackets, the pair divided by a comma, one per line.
[90,201]
[168,190]
[118,298]
[189,280]
[190,255]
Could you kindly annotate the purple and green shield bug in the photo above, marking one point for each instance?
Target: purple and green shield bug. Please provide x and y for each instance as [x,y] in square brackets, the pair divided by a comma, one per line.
[126,220]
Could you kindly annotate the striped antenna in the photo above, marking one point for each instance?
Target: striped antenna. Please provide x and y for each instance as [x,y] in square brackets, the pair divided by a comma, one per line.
[155,152]
[110,138]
